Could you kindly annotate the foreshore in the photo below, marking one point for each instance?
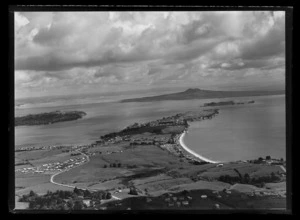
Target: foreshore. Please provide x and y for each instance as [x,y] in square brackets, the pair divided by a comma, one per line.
[192,152]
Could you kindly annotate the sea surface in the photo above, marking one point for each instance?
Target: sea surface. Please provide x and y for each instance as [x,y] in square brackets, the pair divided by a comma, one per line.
[237,133]
[242,132]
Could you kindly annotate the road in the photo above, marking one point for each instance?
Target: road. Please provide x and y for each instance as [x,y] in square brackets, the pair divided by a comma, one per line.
[283,168]
[71,186]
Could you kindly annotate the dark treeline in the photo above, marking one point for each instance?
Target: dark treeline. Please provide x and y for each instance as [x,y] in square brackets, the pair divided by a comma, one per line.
[246,179]
[64,200]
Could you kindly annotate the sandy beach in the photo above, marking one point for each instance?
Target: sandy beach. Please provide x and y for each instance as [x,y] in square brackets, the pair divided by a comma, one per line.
[192,152]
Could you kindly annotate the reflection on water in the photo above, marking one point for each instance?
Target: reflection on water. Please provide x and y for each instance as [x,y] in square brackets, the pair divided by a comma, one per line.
[238,130]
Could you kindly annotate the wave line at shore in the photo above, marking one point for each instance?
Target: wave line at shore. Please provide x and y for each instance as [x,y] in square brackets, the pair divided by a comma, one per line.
[192,152]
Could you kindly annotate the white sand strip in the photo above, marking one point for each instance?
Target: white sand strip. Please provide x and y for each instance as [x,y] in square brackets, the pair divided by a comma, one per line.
[192,152]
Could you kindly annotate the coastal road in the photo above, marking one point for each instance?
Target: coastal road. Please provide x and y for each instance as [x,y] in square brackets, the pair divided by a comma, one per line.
[71,186]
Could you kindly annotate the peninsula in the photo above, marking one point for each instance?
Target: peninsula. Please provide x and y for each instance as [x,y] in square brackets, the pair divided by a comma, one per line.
[202,94]
[48,118]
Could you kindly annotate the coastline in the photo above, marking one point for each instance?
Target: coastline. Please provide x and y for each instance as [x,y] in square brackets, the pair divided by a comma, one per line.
[181,142]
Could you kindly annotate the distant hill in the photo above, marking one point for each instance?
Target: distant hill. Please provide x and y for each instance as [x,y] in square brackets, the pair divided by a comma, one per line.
[195,93]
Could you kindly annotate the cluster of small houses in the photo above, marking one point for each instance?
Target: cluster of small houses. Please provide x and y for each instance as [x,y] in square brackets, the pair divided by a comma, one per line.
[183,201]
[173,201]
[268,162]
[149,141]
[32,148]
[107,152]
[51,167]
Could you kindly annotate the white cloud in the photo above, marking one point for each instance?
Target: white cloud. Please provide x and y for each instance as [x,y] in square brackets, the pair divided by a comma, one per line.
[20,21]
[68,48]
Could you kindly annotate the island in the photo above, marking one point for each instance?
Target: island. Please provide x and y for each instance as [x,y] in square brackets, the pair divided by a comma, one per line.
[202,94]
[49,118]
[226,103]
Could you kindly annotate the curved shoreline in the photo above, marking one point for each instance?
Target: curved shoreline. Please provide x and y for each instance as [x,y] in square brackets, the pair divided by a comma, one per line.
[192,152]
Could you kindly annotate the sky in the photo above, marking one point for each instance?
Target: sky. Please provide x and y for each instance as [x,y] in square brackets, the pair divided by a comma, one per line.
[61,53]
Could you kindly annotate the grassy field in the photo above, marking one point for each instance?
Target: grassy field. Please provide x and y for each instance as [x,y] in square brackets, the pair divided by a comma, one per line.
[235,200]
[162,185]
[216,185]
[132,161]
[36,182]
[173,129]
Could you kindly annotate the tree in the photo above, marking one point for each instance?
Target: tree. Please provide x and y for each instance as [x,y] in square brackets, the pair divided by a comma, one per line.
[119,164]
[77,191]
[268,157]
[133,191]
[102,195]
[70,204]
[246,178]
[260,159]
[31,193]
[78,205]
[62,206]
[108,195]
[274,177]
[86,193]
[104,166]
[61,194]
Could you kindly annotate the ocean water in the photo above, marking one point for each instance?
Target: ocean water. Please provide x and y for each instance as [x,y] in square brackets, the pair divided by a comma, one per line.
[242,132]
[238,132]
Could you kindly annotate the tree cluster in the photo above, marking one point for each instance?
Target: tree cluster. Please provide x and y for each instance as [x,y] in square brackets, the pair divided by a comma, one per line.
[63,200]
[246,179]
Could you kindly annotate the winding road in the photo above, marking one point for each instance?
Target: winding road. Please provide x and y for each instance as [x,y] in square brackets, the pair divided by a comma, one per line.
[66,185]
[71,186]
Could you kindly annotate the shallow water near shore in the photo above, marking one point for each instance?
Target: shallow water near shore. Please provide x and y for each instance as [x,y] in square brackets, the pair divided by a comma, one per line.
[238,132]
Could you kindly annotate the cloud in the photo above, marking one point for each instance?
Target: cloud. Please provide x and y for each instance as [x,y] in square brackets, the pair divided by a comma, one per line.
[68,48]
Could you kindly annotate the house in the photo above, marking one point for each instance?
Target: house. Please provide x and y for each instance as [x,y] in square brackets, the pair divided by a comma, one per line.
[148,200]
[189,197]
[87,202]
[175,198]
[171,204]
[167,199]
[204,196]
[185,203]
[220,165]
[178,204]
[217,206]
